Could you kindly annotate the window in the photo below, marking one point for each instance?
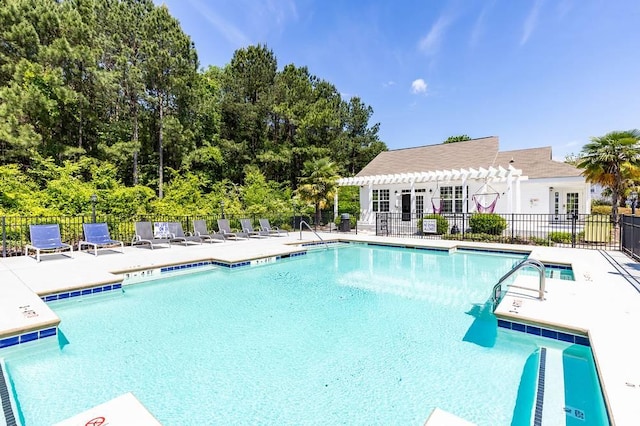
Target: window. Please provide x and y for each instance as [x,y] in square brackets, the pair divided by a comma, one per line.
[419,205]
[451,199]
[572,203]
[380,200]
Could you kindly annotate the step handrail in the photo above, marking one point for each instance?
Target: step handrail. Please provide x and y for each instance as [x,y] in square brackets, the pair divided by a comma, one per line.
[302,222]
[534,263]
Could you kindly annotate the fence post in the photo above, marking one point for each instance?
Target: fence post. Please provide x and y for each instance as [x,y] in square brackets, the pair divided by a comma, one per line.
[574,218]
[512,228]
[4,237]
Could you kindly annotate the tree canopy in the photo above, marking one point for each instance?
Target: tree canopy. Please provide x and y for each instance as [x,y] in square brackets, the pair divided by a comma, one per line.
[115,86]
[612,161]
[459,138]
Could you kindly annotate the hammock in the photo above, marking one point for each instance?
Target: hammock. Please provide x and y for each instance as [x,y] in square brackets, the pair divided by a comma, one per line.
[485,208]
[436,196]
[438,209]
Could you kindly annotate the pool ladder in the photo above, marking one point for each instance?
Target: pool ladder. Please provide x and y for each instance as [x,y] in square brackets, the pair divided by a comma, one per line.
[302,222]
[496,295]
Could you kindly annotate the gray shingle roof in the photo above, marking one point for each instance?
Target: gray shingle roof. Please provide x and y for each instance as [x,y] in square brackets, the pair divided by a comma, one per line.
[482,152]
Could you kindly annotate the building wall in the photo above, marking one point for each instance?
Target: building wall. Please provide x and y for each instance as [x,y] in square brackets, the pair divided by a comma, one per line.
[537,196]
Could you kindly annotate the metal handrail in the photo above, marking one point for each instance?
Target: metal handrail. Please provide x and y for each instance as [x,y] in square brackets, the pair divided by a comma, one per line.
[534,263]
[302,222]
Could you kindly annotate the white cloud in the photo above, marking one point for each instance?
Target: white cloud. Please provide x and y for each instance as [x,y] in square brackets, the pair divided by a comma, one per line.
[225,28]
[248,20]
[389,83]
[430,43]
[479,26]
[531,22]
[418,86]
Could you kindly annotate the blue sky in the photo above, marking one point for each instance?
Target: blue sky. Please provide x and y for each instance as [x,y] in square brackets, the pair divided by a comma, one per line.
[532,72]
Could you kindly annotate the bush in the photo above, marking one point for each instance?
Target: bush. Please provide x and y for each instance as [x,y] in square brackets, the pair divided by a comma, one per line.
[487,223]
[601,209]
[441,223]
[600,202]
[540,241]
[560,237]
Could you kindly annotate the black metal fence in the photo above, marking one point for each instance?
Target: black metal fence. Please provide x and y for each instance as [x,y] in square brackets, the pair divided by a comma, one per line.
[572,230]
[630,235]
[15,229]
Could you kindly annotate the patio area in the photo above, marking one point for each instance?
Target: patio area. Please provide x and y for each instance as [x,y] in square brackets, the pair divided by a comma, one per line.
[603,302]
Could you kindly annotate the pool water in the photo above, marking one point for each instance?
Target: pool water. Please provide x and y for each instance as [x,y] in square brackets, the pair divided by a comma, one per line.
[357,335]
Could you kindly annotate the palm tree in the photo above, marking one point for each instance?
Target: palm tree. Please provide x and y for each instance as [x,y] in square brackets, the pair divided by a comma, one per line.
[609,160]
[319,183]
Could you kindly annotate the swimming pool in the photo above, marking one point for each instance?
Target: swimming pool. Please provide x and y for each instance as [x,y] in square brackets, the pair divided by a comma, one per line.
[356,335]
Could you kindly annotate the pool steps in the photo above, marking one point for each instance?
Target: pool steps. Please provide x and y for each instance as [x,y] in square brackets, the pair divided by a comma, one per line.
[439,417]
[123,410]
[549,407]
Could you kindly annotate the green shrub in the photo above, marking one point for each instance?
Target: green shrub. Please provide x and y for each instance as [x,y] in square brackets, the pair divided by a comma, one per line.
[560,237]
[600,209]
[540,241]
[601,202]
[487,223]
[441,223]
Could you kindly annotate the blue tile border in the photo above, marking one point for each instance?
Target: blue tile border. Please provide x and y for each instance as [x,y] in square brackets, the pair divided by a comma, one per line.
[28,337]
[321,243]
[82,292]
[187,266]
[5,399]
[494,251]
[544,332]
[402,246]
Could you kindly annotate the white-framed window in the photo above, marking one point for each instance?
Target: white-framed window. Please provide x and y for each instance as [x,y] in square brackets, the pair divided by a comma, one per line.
[451,199]
[572,203]
[419,205]
[380,200]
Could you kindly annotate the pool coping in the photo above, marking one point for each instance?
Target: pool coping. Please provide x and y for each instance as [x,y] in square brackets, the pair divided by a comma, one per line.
[601,352]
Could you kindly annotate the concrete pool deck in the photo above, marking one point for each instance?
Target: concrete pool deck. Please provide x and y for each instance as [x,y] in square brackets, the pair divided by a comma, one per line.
[603,302]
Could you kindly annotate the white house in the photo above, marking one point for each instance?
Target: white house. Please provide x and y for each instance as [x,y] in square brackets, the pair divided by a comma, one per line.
[465,177]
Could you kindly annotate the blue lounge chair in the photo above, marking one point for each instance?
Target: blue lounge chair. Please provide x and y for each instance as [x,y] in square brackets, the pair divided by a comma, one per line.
[46,238]
[96,235]
[247,228]
[145,234]
[275,231]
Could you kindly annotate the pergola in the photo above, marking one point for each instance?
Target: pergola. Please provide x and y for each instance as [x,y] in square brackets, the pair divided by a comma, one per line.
[510,175]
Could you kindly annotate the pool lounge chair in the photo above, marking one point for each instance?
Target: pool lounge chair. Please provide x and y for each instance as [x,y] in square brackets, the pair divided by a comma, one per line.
[46,238]
[247,228]
[178,235]
[145,235]
[200,230]
[97,236]
[275,231]
[225,230]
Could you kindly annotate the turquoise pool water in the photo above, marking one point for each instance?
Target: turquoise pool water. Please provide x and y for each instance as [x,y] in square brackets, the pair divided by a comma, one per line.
[356,335]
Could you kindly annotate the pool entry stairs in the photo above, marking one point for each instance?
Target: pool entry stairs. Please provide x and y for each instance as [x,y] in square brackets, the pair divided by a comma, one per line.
[538,404]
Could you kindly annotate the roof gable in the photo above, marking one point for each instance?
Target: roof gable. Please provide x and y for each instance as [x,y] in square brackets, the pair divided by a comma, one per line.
[476,153]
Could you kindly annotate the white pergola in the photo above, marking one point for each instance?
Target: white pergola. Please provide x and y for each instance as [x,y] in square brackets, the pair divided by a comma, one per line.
[510,175]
